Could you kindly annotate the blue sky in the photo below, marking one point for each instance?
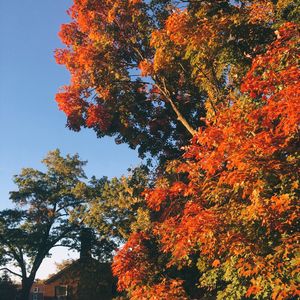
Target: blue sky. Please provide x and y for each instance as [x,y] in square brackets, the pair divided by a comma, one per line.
[30,122]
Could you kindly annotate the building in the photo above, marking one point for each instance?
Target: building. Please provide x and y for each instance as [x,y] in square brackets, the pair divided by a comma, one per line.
[84,279]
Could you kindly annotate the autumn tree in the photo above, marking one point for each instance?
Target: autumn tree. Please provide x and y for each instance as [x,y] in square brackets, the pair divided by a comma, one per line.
[147,71]
[41,220]
[157,74]
[233,213]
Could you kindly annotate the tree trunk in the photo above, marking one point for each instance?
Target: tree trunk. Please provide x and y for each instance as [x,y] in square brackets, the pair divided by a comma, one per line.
[25,291]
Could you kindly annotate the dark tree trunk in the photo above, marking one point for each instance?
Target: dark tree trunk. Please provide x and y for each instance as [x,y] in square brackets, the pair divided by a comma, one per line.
[25,291]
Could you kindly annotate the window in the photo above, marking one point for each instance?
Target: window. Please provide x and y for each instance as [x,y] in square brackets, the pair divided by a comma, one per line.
[36,290]
[61,292]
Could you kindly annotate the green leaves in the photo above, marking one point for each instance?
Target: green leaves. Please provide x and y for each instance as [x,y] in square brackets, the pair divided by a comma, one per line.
[116,205]
[45,202]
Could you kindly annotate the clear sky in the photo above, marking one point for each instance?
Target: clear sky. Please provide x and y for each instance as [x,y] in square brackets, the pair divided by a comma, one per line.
[30,122]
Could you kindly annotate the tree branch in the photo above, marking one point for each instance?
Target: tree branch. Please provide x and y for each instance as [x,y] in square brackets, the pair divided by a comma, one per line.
[180,117]
[15,255]
[10,271]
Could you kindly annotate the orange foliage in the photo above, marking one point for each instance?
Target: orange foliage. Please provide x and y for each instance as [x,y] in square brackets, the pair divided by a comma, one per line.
[134,267]
[230,206]
[146,67]
[89,48]
[261,11]
[93,113]
[131,264]
[238,206]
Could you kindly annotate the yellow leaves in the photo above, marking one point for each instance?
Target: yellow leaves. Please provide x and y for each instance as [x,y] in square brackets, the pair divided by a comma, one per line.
[165,52]
[280,292]
[295,184]
[143,221]
[80,190]
[283,4]
[112,14]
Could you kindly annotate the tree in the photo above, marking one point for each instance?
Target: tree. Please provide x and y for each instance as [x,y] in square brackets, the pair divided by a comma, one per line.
[41,221]
[8,289]
[62,265]
[146,72]
[116,206]
[233,212]
[156,74]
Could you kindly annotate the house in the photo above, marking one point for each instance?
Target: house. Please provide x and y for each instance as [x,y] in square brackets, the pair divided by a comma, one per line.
[84,279]
[37,291]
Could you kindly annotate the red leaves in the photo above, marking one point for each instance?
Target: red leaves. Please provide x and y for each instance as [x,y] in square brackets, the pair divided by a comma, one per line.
[236,208]
[177,27]
[78,111]
[216,263]
[69,34]
[146,67]
[155,197]
[165,290]
[92,55]
[98,116]
[134,269]
[278,85]
[131,264]
[252,290]
[231,201]
[193,230]
[281,59]
[246,135]
[68,102]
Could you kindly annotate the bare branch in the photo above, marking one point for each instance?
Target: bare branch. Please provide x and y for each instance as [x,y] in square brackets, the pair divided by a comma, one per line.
[180,117]
[10,271]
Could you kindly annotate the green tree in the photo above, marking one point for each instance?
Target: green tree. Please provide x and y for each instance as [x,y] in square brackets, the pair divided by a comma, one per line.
[116,206]
[41,220]
[8,290]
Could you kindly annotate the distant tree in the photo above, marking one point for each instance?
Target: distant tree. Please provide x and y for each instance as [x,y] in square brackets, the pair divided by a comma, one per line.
[42,219]
[62,265]
[8,289]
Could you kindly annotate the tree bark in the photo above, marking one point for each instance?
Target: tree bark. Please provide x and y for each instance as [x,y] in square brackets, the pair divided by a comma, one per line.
[165,92]
[26,287]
